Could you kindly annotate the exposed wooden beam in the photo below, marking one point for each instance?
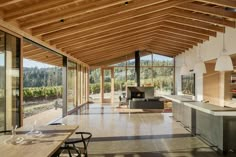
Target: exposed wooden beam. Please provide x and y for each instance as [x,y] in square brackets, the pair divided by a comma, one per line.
[104,48]
[178,36]
[174,40]
[184,33]
[208,10]
[99,38]
[224,3]
[36,40]
[203,18]
[170,44]
[90,8]
[164,45]
[102,41]
[108,30]
[197,24]
[116,19]
[92,20]
[136,45]
[188,28]
[8,2]
[36,8]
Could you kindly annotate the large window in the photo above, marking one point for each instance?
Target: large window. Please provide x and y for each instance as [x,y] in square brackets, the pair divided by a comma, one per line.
[71,86]
[155,70]
[94,85]
[9,81]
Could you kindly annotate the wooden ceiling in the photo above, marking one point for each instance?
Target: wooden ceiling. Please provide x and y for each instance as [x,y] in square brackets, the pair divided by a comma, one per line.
[98,32]
[38,53]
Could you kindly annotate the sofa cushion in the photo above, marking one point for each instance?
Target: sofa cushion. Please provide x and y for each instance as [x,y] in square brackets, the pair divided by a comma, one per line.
[138,99]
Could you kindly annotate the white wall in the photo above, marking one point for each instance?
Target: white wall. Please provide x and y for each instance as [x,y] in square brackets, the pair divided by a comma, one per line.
[209,50]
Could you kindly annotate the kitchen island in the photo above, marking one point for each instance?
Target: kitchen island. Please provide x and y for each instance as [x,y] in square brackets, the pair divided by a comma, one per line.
[215,124]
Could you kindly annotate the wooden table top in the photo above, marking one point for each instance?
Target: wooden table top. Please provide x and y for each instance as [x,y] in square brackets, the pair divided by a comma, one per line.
[39,145]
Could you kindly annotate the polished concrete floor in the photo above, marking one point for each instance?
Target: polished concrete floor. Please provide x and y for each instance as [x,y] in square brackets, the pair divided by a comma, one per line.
[120,133]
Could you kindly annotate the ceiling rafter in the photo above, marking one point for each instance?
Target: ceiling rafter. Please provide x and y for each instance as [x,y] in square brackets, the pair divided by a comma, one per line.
[36,8]
[8,2]
[118,6]
[203,18]
[116,19]
[207,10]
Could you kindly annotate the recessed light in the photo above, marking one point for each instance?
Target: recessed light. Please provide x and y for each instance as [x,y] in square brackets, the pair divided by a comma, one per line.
[230,9]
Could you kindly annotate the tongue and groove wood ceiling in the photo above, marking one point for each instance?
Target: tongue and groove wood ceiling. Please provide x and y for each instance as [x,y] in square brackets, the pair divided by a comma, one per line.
[98,32]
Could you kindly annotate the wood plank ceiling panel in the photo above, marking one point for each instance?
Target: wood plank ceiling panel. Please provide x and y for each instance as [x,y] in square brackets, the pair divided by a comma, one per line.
[105,31]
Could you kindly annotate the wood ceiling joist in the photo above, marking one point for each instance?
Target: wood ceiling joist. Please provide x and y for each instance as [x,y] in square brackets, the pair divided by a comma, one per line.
[33,51]
[197,24]
[93,20]
[8,2]
[108,35]
[114,43]
[207,10]
[204,18]
[36,8]
[84,8]
[188,28]
[39,53]
[49,59]
[137,44]
[165,48]
[114,54]
[117,19]
[29,48]
[108,30]
[174,40]
[110,57]
[168,46]
[184,33]
[161,52]
[224,3]
[168,43]
[140,40]
[178,36]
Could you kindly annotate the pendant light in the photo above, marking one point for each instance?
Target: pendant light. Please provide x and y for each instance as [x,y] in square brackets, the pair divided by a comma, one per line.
[200,67]
[184,69]
[224,61]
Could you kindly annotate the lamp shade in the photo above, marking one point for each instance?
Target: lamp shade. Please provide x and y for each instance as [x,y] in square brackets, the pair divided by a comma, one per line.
[224,63]
[184,70]
[200,68]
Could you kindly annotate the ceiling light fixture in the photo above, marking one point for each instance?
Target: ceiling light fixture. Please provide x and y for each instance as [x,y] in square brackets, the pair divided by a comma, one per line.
[224,61]
[200,67]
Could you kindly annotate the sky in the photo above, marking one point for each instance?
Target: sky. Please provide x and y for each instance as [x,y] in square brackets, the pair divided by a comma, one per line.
[30,63]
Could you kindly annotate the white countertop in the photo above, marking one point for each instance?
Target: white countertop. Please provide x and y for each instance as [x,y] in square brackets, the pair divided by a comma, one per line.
[204,107]
[178,98]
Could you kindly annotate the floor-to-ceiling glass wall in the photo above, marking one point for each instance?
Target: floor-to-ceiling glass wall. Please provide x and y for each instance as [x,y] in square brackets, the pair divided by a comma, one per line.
[2,81]
[163,75]
[42,84]
[71,85]
[120,82]
[94,85]
[10,106]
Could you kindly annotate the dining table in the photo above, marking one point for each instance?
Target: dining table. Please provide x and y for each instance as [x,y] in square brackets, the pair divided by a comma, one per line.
[43,141]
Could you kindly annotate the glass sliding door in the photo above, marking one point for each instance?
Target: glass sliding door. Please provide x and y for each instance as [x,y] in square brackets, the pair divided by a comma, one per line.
[107,85]
[9,81]
[71,86]
[12,81]
[2,82]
